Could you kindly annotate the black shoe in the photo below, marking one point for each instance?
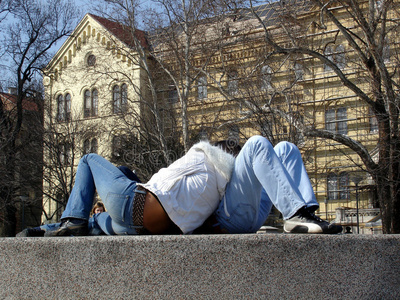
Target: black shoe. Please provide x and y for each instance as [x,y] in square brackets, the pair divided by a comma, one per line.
[30,232]
[70,227]
[305,221]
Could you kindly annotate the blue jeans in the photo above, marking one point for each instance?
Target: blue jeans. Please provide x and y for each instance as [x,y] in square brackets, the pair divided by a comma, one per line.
[264,176]
[113,187]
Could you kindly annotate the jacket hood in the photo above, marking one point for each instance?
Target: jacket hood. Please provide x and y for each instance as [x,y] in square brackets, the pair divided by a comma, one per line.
[223,161]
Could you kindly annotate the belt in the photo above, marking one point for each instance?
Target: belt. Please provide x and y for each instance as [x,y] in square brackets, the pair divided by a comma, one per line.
[138,207]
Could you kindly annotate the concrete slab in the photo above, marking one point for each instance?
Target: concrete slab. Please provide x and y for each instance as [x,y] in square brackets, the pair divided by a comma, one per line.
[250,266]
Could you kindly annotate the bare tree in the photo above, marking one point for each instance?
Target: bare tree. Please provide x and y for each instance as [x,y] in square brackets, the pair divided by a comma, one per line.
[368,29]
[33,28]
[64,142]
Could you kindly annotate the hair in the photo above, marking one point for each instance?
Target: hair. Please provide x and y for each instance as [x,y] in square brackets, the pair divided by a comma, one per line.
[230,146]
[98,205]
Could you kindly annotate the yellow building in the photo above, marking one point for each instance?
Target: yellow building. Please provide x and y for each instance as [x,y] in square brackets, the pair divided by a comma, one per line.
[90,87]
[240,89]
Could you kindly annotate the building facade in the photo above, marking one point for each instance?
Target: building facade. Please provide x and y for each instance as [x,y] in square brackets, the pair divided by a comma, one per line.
[91,89]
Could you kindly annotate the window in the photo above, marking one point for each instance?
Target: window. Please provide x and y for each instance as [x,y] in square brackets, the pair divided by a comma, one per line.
[341,115]
[373,122]
[65,154]
[118,146]
[386,51]
[233,83]
[298,71]
[329,55]
[172,96]
[344,185]
[338,186]
[93,146]
[336,120]
[338,57]
[120,98]
[64,107]
[332,186]
[86,147]
[60,108]
[202,88]
[90,103]
[91,60]
[266,78]
[90,146]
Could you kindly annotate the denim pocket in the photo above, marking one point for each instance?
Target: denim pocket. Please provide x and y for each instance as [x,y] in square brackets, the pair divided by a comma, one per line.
[242,218]
[117,205]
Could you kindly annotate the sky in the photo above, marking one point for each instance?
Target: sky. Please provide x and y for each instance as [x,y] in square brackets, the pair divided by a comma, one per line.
[83,7]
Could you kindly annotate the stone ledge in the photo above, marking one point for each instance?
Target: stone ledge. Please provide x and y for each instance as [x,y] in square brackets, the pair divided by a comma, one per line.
[251,266]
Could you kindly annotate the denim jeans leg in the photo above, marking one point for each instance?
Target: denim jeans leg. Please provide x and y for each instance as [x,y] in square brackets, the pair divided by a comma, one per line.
[114,188]
[291,158]
[257,166]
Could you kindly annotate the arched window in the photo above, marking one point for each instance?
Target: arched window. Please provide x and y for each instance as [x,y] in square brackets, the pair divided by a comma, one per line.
[90,146]
[93,146]
[95,102]
[65,154]
[116,99]
[86,147]
[90,103]
[124,97]
[91,60]
[68,107]
[60,108]
[87,103]
[120,98]
[64,107]
[118,146]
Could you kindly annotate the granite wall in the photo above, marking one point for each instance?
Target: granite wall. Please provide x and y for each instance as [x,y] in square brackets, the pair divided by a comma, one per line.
[249,266]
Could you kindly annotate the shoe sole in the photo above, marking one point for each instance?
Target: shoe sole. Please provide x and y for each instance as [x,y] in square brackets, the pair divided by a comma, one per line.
[305,229]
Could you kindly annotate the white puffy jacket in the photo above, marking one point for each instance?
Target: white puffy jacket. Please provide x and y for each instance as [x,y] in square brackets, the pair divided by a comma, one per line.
[191,187]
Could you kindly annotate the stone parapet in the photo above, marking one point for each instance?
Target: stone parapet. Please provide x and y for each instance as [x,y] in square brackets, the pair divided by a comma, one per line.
[248,266]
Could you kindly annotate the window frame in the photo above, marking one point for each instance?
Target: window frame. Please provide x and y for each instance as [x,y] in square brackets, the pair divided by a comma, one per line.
[338,186]
[336,120]
[64,107]
[120,98]
[90,103]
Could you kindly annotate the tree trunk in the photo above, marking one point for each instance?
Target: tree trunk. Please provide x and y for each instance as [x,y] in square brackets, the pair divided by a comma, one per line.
[10,219]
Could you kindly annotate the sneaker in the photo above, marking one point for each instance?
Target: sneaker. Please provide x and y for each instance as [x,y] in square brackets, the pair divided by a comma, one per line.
[30,232]
[305,221]
[70,227]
